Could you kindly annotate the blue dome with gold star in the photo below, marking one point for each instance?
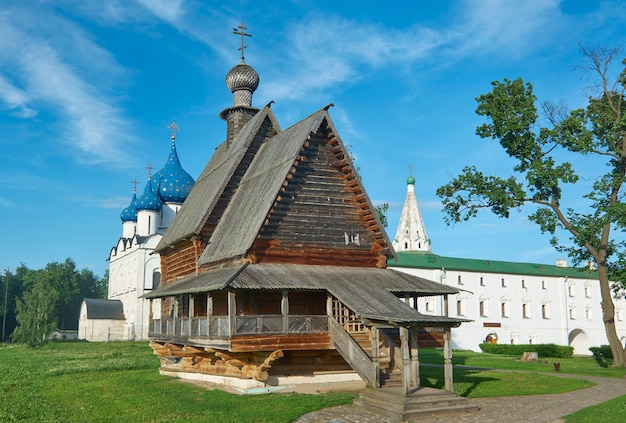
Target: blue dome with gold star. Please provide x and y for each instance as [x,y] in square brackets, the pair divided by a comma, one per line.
[129,214]
[172,183]
[149,200]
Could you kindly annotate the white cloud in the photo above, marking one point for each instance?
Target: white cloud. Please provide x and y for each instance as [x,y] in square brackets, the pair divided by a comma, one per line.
[50,68]
[169,10]
[15,99]
[510,28]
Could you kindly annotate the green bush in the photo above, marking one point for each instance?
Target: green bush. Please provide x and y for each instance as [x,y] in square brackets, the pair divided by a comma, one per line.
[603,351]
[543,350]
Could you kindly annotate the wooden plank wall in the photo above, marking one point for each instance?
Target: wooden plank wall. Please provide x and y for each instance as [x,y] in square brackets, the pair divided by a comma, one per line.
[321,215]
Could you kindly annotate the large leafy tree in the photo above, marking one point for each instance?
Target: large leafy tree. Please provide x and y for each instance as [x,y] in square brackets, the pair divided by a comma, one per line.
[545,160]
[26,310]
[36,312]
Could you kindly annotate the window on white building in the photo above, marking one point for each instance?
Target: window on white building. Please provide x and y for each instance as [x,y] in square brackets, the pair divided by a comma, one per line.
[545,310]
[429,306]
[460,307]
[619,314]
[156,279]
[504,308]
[570,290]
[482,305]
[523,283]
[588,313]
[482,281]
[572,313]
[503,282]
[587,290]
[543,285]
[526,311]
[459,281]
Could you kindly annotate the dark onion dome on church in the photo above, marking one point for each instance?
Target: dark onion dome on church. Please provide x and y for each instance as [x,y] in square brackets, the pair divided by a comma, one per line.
[129,214]
[242,80]
[242,77]
[149,200]
[172,183]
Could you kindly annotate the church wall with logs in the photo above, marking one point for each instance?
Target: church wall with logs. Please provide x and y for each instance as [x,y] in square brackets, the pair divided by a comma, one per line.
[321,215]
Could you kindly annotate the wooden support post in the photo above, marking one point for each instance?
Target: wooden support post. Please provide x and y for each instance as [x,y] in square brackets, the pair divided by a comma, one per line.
[150,318]
[232,312]
[406,361]
[375,357]
[284,309]
[447,360]
[209,313]
[192,305]
[415,364]
[445,305]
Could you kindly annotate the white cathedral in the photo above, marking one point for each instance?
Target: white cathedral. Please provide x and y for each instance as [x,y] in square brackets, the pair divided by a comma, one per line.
[134,267]
[507,302]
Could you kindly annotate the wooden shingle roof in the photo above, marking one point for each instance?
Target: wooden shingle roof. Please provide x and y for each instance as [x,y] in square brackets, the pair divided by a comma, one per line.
[369,292]
[212,181]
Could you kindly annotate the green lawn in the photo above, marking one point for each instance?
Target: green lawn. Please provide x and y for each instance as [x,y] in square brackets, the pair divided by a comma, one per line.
[610,411]
[576,365]
[488,383]
[120,382]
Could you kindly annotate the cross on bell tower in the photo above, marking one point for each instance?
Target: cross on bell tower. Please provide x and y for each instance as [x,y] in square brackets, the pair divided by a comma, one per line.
[241,30]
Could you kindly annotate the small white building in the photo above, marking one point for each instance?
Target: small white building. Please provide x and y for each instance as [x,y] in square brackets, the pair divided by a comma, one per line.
[508,302]
[101,320]
[134,267]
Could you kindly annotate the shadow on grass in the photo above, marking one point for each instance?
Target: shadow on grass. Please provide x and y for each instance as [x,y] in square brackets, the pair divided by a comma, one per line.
[465,380]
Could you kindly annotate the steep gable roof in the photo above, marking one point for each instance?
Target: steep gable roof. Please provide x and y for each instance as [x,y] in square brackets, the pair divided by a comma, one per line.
[259,189]
[212,181]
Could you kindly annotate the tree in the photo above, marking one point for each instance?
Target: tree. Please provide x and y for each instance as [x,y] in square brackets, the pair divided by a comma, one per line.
[542,173]
[381,211]
[36,313]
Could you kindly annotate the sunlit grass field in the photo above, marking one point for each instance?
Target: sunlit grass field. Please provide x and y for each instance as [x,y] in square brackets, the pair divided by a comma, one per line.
[119,382]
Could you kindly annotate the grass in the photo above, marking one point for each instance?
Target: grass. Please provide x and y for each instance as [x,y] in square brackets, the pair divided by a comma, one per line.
[95,382]
[587,366]
[610,411]
[488,383]
[115,382]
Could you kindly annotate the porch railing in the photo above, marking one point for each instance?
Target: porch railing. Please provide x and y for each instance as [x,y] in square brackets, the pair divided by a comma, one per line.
[220,327]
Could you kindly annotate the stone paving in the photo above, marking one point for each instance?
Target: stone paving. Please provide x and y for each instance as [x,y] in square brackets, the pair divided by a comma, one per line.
[527,409]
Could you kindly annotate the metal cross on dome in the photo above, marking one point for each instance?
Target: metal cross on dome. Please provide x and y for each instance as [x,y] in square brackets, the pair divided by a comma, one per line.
[174,128]
[411,169]
[242,31]
[134,182]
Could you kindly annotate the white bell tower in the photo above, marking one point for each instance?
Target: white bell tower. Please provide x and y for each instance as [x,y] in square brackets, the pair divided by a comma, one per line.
[411,234]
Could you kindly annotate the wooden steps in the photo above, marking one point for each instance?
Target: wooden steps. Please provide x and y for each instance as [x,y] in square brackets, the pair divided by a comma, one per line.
[422,402]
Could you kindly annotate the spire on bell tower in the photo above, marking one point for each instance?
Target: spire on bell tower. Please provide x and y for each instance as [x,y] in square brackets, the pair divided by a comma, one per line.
[411,234]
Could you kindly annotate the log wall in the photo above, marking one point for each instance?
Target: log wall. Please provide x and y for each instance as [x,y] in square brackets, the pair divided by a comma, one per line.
[321,215]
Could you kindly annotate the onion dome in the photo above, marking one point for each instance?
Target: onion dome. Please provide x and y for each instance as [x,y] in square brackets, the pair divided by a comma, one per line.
[242,80]
[410,180]
[172,183]
[129,214]
[149,200]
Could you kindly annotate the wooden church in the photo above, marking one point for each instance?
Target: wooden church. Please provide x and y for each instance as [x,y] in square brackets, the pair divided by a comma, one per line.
[274,269]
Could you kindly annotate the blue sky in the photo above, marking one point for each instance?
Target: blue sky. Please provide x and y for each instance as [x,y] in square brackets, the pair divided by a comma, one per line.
[88,88]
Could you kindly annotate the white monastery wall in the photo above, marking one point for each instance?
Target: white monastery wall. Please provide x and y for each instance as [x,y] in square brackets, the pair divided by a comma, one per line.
[522,309]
